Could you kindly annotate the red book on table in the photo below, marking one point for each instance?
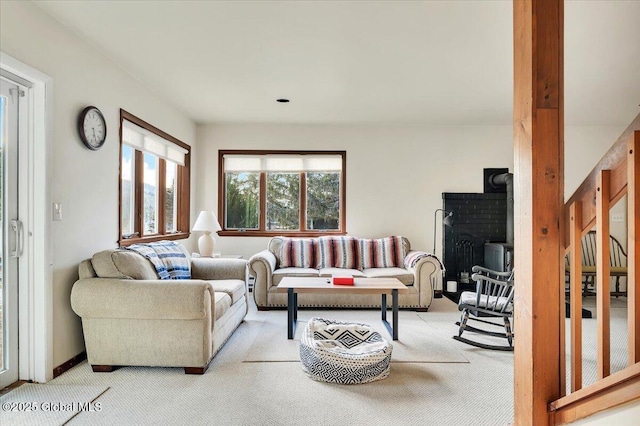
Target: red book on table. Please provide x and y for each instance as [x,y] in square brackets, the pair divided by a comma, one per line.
[342,279]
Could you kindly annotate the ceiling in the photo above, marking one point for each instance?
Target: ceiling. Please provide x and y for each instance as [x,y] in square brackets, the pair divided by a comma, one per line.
[387,62]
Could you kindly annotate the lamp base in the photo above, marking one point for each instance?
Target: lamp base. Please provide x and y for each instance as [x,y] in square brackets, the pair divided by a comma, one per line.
[205,245]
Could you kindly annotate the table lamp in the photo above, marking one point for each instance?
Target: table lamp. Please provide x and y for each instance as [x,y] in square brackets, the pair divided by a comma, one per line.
[207,223]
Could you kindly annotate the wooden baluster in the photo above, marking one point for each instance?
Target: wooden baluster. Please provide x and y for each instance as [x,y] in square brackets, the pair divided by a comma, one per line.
[633,260]
[603,272]
[563,332]
[575,293]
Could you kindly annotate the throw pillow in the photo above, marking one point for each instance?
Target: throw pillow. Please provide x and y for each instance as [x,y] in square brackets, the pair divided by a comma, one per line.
[381,253]
[338,252]
[298,253]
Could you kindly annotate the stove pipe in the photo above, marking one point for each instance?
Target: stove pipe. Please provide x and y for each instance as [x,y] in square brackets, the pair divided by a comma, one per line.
[506,179]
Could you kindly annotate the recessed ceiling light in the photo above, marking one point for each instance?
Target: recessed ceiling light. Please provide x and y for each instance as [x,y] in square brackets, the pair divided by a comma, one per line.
[282,100]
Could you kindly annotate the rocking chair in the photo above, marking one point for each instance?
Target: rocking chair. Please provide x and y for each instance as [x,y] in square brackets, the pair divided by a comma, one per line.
[493,298]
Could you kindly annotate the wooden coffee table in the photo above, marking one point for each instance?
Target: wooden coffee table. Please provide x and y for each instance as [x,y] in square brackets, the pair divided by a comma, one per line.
[383,286]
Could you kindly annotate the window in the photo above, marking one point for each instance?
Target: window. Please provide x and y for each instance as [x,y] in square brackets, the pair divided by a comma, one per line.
[269,193]
[154,183]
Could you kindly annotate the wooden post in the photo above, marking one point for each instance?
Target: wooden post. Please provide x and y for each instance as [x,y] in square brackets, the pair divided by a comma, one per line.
[539,201]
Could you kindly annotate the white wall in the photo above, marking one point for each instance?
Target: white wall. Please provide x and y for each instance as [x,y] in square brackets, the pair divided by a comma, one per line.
[395,174]
[584,147]
[84,181]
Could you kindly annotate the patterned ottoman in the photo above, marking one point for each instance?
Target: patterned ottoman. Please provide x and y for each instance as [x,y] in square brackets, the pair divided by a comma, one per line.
[343,352]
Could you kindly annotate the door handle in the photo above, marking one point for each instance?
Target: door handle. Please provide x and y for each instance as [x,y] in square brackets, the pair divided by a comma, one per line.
[16,226]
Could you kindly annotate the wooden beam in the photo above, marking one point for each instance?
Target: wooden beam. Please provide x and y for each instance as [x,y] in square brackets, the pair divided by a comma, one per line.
[575,291]
[633,252]
[603,272]
[539,204]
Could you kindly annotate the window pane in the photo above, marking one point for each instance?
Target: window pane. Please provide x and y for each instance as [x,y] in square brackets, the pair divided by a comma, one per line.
[127,176]
[243,200]
[148,209]
[283,201]
[150,217]
[323,201]
[171,197]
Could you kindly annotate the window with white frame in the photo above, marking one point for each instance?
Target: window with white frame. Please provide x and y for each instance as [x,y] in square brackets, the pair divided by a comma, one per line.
[154,183]
[298,193]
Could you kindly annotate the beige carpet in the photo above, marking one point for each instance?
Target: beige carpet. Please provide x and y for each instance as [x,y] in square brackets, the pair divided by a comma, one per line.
[237,393]
[48,404]
[233,392]
[619,333]
[417,341]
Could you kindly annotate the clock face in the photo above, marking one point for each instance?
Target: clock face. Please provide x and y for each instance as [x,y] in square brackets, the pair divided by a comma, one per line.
[92,128]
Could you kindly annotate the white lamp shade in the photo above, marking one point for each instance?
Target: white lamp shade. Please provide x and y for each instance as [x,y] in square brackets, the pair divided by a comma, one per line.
[206,221]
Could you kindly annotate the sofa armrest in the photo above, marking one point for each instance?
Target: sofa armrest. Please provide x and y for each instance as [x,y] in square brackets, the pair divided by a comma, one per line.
[427,271]
[263,262]
[142,299]
[261,266]
[203,268]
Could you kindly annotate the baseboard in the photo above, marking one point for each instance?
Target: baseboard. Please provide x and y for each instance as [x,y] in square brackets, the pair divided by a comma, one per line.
[13,386]
[69,364]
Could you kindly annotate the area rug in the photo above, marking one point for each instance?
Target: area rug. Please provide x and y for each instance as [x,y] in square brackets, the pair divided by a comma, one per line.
[44,405]
[417,341]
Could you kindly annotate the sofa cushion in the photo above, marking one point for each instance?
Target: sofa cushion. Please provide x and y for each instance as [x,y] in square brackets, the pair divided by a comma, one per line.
[222,303]
[338,252]
[122,264]
[404,276]
[328,272]
[234,288]
[381,253]
[298,253]
[279,274]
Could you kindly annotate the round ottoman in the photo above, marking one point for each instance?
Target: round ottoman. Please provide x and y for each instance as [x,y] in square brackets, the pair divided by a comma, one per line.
[344,352]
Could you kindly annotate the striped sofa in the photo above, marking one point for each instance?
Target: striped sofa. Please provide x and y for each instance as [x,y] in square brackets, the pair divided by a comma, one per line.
[360,257]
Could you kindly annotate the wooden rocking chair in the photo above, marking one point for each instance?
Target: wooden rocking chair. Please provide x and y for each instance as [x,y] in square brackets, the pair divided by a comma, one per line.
[493,298]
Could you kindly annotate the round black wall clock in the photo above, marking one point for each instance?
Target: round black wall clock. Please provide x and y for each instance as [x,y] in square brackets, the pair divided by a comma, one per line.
[92,128]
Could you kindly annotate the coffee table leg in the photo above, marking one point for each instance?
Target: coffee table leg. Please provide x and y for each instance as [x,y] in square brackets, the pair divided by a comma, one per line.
[391,328]
[394,301]
[383,306]
[292,312]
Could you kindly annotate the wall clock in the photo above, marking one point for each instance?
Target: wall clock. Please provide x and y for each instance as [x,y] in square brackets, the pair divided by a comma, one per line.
[92,128]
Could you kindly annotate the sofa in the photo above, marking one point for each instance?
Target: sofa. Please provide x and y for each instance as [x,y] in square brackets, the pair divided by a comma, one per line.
[130,317]
[325,256]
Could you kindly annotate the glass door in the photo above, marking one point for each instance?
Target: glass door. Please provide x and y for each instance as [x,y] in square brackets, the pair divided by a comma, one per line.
[10,231]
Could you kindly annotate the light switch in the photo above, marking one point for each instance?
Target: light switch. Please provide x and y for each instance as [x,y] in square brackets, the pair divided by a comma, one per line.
[617,217]
[57,211]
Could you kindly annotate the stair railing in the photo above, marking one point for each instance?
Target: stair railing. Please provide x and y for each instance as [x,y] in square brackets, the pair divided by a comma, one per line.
[616,174]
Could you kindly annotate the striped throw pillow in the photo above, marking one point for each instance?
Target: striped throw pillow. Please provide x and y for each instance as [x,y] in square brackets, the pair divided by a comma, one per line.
[298,253]
[338,252]
[382,252]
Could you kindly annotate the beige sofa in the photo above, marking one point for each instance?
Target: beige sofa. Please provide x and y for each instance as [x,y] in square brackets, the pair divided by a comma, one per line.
[421,272]
[130,317]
